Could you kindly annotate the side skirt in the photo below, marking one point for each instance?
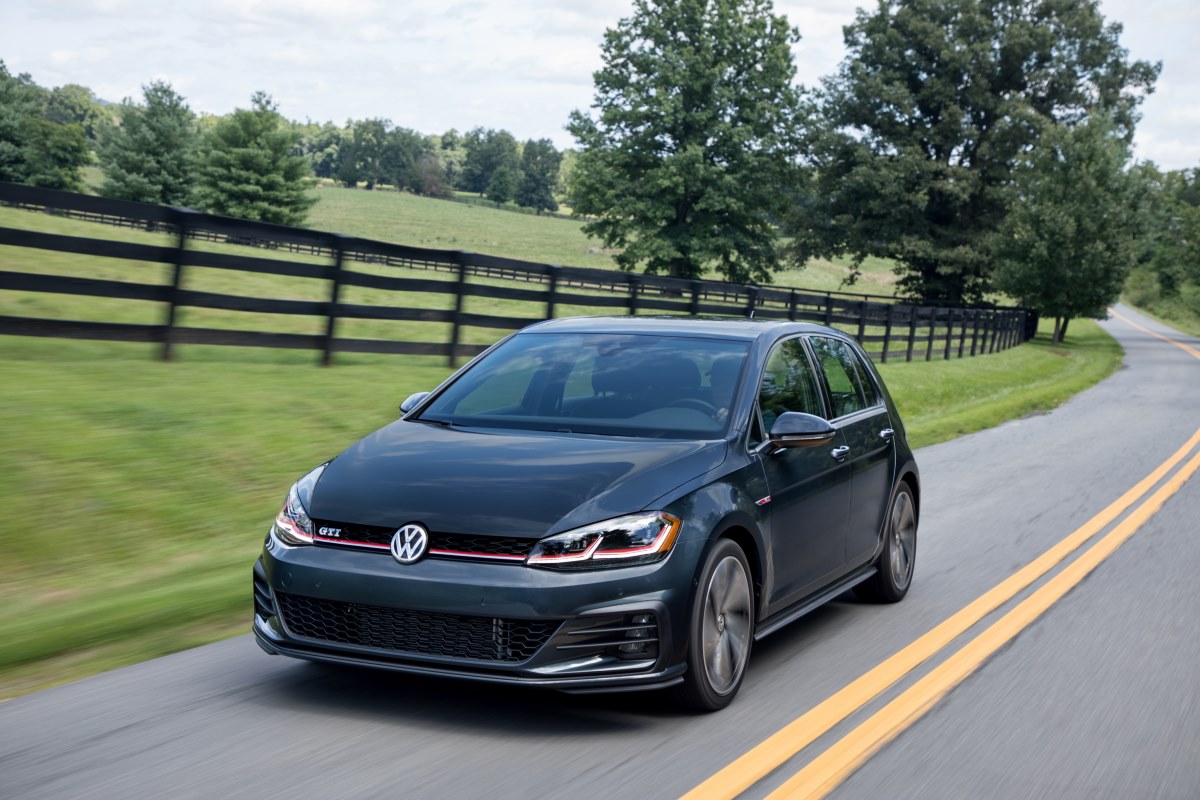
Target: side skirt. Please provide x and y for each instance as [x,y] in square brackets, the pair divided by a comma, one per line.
[790,615]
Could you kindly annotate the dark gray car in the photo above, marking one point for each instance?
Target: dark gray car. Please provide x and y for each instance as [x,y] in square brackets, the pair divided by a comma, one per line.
[601,504]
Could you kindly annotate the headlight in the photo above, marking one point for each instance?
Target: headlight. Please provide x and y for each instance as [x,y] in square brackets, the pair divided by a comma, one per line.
[293,526]
[620,542]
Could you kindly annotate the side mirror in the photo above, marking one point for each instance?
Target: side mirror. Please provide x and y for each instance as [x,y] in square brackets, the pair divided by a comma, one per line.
[797,429]
[412,402]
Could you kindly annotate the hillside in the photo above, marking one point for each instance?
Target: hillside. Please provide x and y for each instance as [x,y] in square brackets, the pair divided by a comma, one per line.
[426,222]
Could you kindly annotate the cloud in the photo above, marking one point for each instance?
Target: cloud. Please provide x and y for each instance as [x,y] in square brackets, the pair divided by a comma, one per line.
[84,56]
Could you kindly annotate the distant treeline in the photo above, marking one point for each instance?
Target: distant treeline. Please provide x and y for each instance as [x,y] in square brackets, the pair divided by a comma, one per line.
[252,163]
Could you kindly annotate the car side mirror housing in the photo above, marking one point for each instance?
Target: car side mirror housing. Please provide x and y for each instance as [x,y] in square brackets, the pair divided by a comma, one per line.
[412,401]
[797,429]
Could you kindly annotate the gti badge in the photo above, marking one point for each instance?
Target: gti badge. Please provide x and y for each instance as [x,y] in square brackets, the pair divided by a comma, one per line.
[409,543]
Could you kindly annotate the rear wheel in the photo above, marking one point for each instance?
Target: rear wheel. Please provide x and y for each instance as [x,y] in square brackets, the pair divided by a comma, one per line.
[721,629]
[894,566]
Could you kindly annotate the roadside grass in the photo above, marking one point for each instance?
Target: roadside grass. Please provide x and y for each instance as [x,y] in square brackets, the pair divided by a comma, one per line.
[941,400]
[138,492]
[1181,312]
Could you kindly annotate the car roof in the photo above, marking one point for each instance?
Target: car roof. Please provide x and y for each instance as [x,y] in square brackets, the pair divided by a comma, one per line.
[714,327]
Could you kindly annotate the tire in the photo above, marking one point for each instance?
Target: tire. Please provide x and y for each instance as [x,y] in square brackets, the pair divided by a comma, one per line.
[720,631]
[896,561]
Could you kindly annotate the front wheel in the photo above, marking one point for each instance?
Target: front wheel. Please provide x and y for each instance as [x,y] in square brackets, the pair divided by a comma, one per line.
[721,629]
[894,566]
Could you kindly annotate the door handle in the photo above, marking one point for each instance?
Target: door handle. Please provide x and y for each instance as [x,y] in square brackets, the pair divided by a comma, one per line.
[887,434]
[840,453]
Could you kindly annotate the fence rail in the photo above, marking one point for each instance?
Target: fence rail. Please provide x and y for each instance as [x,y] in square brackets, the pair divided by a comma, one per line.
[470,286]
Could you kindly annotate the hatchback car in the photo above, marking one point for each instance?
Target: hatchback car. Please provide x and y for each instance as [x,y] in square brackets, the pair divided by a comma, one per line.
[601,504]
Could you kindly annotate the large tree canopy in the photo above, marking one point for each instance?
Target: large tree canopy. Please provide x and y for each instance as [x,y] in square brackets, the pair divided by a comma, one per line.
[927,117]
[695,135]
[150,156]
[249,170]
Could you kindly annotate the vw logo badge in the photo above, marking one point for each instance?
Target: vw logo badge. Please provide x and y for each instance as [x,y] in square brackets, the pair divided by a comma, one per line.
[409,543]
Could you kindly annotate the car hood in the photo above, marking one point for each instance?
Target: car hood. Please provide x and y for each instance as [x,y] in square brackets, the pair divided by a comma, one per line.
[502,483]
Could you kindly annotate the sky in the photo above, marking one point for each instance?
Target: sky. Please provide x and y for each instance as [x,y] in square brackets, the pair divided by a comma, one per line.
[431,65]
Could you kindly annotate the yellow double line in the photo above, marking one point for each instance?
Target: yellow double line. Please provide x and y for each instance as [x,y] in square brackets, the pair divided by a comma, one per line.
[834,765]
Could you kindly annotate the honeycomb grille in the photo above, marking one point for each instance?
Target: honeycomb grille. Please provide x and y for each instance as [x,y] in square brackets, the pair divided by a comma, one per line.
[419,632]
[459,544]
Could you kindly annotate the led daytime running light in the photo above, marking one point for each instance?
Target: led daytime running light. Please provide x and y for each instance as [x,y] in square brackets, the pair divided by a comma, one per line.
[610,532]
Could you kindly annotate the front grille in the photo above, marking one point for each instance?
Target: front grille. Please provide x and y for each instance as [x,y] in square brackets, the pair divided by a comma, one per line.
[479,545]
[447,545]
[419,632]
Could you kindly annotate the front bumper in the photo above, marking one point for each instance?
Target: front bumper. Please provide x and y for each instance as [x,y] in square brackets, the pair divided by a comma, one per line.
[589,613]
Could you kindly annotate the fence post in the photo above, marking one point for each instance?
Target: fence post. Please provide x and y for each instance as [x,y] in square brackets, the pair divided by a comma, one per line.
[181,227]
[962,335]
[949,333]
[828,309]
[792,305]
[335,275]
[932,333]
[751,301]
[975,330]
[887,332]
[455,319]
[552,292]
[862,320]
[635,286]
[912,331]
[694,308]
[993,324]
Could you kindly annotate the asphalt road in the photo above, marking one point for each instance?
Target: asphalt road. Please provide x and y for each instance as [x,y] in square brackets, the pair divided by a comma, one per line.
[1100,697]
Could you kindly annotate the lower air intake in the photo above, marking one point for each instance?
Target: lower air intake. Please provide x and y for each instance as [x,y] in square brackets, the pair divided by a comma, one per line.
[418,632]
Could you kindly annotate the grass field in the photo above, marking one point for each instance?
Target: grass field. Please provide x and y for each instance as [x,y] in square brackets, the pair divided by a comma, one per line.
[137,492]
[407,219]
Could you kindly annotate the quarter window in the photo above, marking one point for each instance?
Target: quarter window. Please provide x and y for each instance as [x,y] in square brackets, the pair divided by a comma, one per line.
[788,384]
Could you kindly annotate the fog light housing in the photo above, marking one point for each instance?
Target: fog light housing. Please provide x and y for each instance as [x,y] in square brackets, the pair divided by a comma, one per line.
[644,637]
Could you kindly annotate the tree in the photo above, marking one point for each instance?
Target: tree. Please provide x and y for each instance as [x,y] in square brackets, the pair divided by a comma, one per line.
[248,168]
[149,156]
[539,175]
[928,115]
[502,186]
[73,103]
[431,176]
[363,150]
[403,150]
[1172,246]
[487,151]
[53,153]
[20,100]
[1073,233]
[694,143]
[322,145]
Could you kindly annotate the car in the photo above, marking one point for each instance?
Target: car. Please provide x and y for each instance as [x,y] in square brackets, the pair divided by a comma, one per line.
[601,504]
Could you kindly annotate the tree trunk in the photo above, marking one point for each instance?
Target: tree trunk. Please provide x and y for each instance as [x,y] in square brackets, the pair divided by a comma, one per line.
[1062,334]
[1057,337]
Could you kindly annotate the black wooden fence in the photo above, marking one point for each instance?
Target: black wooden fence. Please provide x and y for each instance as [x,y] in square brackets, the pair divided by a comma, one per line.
[339,264]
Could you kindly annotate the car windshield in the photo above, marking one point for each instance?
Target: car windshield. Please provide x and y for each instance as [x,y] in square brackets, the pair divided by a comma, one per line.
[617,385]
